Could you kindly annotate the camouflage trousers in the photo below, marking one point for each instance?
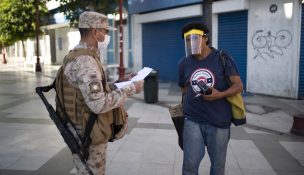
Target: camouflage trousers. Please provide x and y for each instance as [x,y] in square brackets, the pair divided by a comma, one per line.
[96,161]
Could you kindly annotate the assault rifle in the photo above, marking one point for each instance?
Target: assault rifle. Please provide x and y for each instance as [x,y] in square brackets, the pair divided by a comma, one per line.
[65,128]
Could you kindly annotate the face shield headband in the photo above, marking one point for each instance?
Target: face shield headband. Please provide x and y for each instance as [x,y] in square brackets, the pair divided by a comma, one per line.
[193,42]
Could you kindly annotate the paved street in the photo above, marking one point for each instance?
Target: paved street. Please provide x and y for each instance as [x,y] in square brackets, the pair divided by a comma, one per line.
[31,144]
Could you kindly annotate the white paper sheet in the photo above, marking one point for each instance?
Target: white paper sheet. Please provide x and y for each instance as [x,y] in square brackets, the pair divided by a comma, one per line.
[122,84]
[140,76]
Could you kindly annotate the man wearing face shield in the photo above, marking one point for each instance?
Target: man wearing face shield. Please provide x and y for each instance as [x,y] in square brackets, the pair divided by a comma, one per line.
[83,89]
[207,113]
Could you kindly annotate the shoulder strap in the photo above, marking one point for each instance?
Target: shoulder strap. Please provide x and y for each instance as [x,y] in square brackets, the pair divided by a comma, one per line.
[86,141]
[79,51]
[223,63]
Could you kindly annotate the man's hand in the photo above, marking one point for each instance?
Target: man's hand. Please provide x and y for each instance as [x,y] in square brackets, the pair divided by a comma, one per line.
[138,85]
[213,96]
[127,77]
[236,87]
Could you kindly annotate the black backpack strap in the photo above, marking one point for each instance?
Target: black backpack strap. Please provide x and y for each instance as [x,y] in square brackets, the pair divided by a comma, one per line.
[86,141]
[223,63]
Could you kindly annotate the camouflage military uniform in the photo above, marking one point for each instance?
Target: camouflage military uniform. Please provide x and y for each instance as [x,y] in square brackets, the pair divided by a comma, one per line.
[96,161]
[84,73]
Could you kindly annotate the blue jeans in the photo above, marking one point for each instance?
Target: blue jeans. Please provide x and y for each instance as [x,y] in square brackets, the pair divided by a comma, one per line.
[195,137]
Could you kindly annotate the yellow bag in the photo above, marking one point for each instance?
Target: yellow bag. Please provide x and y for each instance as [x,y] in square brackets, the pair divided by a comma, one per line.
[236,101]
[238,109]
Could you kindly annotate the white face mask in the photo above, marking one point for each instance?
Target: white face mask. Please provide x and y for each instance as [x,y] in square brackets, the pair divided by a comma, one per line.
[105,43]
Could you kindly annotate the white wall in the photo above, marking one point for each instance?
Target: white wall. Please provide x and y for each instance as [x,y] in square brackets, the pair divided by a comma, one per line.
[45,52]
[30,48]
[126,45]
[273,49]
[15,52]
[70,37]
[65,39]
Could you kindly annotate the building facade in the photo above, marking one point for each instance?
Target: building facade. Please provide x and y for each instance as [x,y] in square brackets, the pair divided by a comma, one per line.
[265,39]
[59,38]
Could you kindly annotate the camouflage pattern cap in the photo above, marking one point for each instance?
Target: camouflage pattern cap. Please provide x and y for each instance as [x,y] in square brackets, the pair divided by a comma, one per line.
[89,19]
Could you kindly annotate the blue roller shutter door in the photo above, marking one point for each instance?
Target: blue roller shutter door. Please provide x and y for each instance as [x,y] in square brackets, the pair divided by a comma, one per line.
[232,37]
[301,72]
[163,46]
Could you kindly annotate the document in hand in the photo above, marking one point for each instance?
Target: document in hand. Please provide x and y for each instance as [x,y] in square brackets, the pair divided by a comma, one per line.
[140,76]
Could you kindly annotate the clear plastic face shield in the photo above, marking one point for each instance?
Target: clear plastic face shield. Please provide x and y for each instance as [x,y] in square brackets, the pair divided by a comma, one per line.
[193,42]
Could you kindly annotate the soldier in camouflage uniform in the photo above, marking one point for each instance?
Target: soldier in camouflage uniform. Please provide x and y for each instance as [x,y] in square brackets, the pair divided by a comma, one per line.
[85,74]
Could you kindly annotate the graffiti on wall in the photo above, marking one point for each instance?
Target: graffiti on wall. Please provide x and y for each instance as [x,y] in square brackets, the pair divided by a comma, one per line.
[268,45]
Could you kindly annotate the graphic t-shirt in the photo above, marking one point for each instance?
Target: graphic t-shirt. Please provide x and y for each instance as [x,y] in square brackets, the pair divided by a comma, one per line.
[211,71]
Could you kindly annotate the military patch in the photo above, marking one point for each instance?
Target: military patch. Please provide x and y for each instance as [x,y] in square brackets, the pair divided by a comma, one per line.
[95,87]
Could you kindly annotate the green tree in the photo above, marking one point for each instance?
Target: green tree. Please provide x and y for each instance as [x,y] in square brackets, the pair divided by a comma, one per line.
[17,20]
[73,8]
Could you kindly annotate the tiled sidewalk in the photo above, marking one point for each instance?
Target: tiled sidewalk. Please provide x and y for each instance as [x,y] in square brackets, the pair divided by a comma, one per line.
[31,144]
